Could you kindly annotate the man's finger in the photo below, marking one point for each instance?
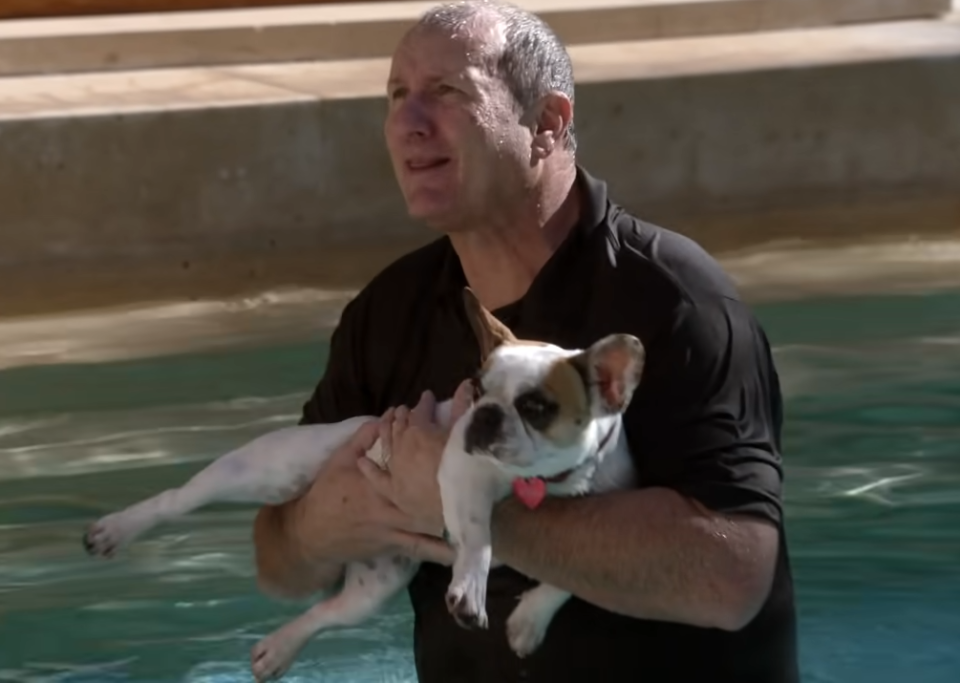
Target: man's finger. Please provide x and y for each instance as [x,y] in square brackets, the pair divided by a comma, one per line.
[462,399]
[386,434]
[386,420]
[422,413]
[425,548]
[366,435]
[378,478]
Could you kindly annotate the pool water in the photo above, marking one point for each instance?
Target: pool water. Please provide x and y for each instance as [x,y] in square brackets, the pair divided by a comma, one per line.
[872,451]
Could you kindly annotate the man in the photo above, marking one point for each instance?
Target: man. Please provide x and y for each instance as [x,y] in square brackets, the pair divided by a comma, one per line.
[686,579]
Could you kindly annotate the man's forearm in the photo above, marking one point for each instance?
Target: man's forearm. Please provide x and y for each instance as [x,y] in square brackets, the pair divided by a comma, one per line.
[650,553]
[282,570]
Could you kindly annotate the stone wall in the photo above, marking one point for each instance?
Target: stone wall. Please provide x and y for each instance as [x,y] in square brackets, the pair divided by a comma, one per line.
[261,179]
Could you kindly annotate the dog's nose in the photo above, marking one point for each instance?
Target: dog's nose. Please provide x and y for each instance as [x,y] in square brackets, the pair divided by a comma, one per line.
[484,428]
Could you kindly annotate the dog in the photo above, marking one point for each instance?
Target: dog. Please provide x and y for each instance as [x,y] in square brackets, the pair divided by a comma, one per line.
[544,421]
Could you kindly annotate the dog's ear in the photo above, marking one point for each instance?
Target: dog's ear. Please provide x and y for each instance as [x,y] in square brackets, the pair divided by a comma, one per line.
[611,370]
[490,332]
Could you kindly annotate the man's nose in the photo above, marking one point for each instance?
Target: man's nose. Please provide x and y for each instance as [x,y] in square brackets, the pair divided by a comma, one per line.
[413,116]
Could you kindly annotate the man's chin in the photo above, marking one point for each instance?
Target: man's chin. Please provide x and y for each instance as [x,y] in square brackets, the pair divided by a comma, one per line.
[440,218]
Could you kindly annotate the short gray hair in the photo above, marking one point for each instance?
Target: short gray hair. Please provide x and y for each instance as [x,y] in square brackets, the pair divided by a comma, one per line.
[533,60]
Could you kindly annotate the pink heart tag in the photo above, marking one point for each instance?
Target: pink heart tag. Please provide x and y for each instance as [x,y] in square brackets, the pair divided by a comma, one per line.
[531,492]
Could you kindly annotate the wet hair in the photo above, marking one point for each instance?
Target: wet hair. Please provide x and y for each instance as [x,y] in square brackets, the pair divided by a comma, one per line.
[532,61]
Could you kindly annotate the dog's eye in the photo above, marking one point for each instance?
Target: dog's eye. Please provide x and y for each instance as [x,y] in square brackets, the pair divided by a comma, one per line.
[478,390]
[531,405]
[535,409]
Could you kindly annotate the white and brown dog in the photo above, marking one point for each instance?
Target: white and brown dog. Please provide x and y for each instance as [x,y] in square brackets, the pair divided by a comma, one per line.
[545,420]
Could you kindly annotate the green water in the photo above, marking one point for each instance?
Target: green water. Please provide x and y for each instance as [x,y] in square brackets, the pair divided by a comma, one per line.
[873,502]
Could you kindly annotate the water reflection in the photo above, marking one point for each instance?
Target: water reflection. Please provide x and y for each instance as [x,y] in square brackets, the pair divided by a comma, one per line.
[74,444]
[873,502]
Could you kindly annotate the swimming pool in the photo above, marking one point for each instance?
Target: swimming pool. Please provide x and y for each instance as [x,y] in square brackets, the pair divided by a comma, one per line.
[873,503]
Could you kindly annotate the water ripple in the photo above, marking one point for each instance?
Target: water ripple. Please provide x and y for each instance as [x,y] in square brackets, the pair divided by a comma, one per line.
[872,498]
[73,444]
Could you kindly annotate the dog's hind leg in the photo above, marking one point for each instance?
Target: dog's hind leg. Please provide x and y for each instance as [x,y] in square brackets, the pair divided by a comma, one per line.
[367,587]
[272,469]
[108,534]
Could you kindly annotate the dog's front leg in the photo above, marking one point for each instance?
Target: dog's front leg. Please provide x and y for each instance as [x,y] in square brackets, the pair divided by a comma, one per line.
[530,619]
[469,489]
[467,594]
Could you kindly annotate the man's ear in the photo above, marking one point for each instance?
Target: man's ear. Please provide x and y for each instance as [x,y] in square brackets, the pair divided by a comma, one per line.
[611,370]
[489,331]
[553,117]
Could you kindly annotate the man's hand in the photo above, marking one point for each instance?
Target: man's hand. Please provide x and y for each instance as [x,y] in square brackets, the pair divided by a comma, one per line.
[301,546]
[354,510]
[341,518]
[413,442]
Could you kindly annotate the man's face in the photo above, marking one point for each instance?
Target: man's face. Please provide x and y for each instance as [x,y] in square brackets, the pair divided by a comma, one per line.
[453,129]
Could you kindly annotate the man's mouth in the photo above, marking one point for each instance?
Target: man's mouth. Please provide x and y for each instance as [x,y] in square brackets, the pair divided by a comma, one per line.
[427,163]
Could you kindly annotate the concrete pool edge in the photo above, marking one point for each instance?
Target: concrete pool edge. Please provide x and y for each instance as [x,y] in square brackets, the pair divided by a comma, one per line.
[780,273]
[189,274]
[368,30]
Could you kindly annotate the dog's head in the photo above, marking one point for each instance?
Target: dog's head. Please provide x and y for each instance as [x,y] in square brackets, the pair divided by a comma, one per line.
[539,409]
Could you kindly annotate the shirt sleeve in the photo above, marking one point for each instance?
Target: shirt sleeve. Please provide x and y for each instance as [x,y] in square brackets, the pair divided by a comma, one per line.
[708,422]
[341,393]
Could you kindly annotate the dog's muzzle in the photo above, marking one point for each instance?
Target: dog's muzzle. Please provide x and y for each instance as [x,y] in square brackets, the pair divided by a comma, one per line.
[485,429]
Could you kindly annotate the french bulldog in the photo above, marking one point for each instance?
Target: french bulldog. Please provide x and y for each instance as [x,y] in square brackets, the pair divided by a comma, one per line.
[544,421]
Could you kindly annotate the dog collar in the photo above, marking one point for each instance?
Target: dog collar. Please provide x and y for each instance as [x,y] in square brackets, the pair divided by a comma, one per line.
[532,490]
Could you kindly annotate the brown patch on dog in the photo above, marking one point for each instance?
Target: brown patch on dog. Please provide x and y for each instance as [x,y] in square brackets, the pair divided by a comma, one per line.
[563,384]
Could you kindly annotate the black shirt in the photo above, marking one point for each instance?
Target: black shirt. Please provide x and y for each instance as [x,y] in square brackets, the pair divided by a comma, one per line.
[705,421]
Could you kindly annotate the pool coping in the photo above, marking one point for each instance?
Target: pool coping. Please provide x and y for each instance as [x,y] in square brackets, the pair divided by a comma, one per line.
[775,274]
[369,30]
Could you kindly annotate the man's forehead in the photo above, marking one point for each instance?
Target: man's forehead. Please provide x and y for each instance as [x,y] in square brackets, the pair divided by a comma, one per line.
[452,48]
[481,25]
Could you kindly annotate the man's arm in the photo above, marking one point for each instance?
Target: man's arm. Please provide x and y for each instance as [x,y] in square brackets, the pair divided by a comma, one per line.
[283,567]
[699,544]
[650,554]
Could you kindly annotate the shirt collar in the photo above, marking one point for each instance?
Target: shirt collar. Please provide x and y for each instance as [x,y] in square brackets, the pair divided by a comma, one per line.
[593,214]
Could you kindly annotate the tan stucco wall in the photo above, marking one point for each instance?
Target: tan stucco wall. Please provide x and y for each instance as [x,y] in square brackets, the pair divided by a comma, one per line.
[270,180]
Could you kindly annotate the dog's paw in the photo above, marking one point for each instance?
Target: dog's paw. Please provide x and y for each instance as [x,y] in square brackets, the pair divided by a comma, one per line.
[105,536]
[525,631]
[466,603]
[272,656]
